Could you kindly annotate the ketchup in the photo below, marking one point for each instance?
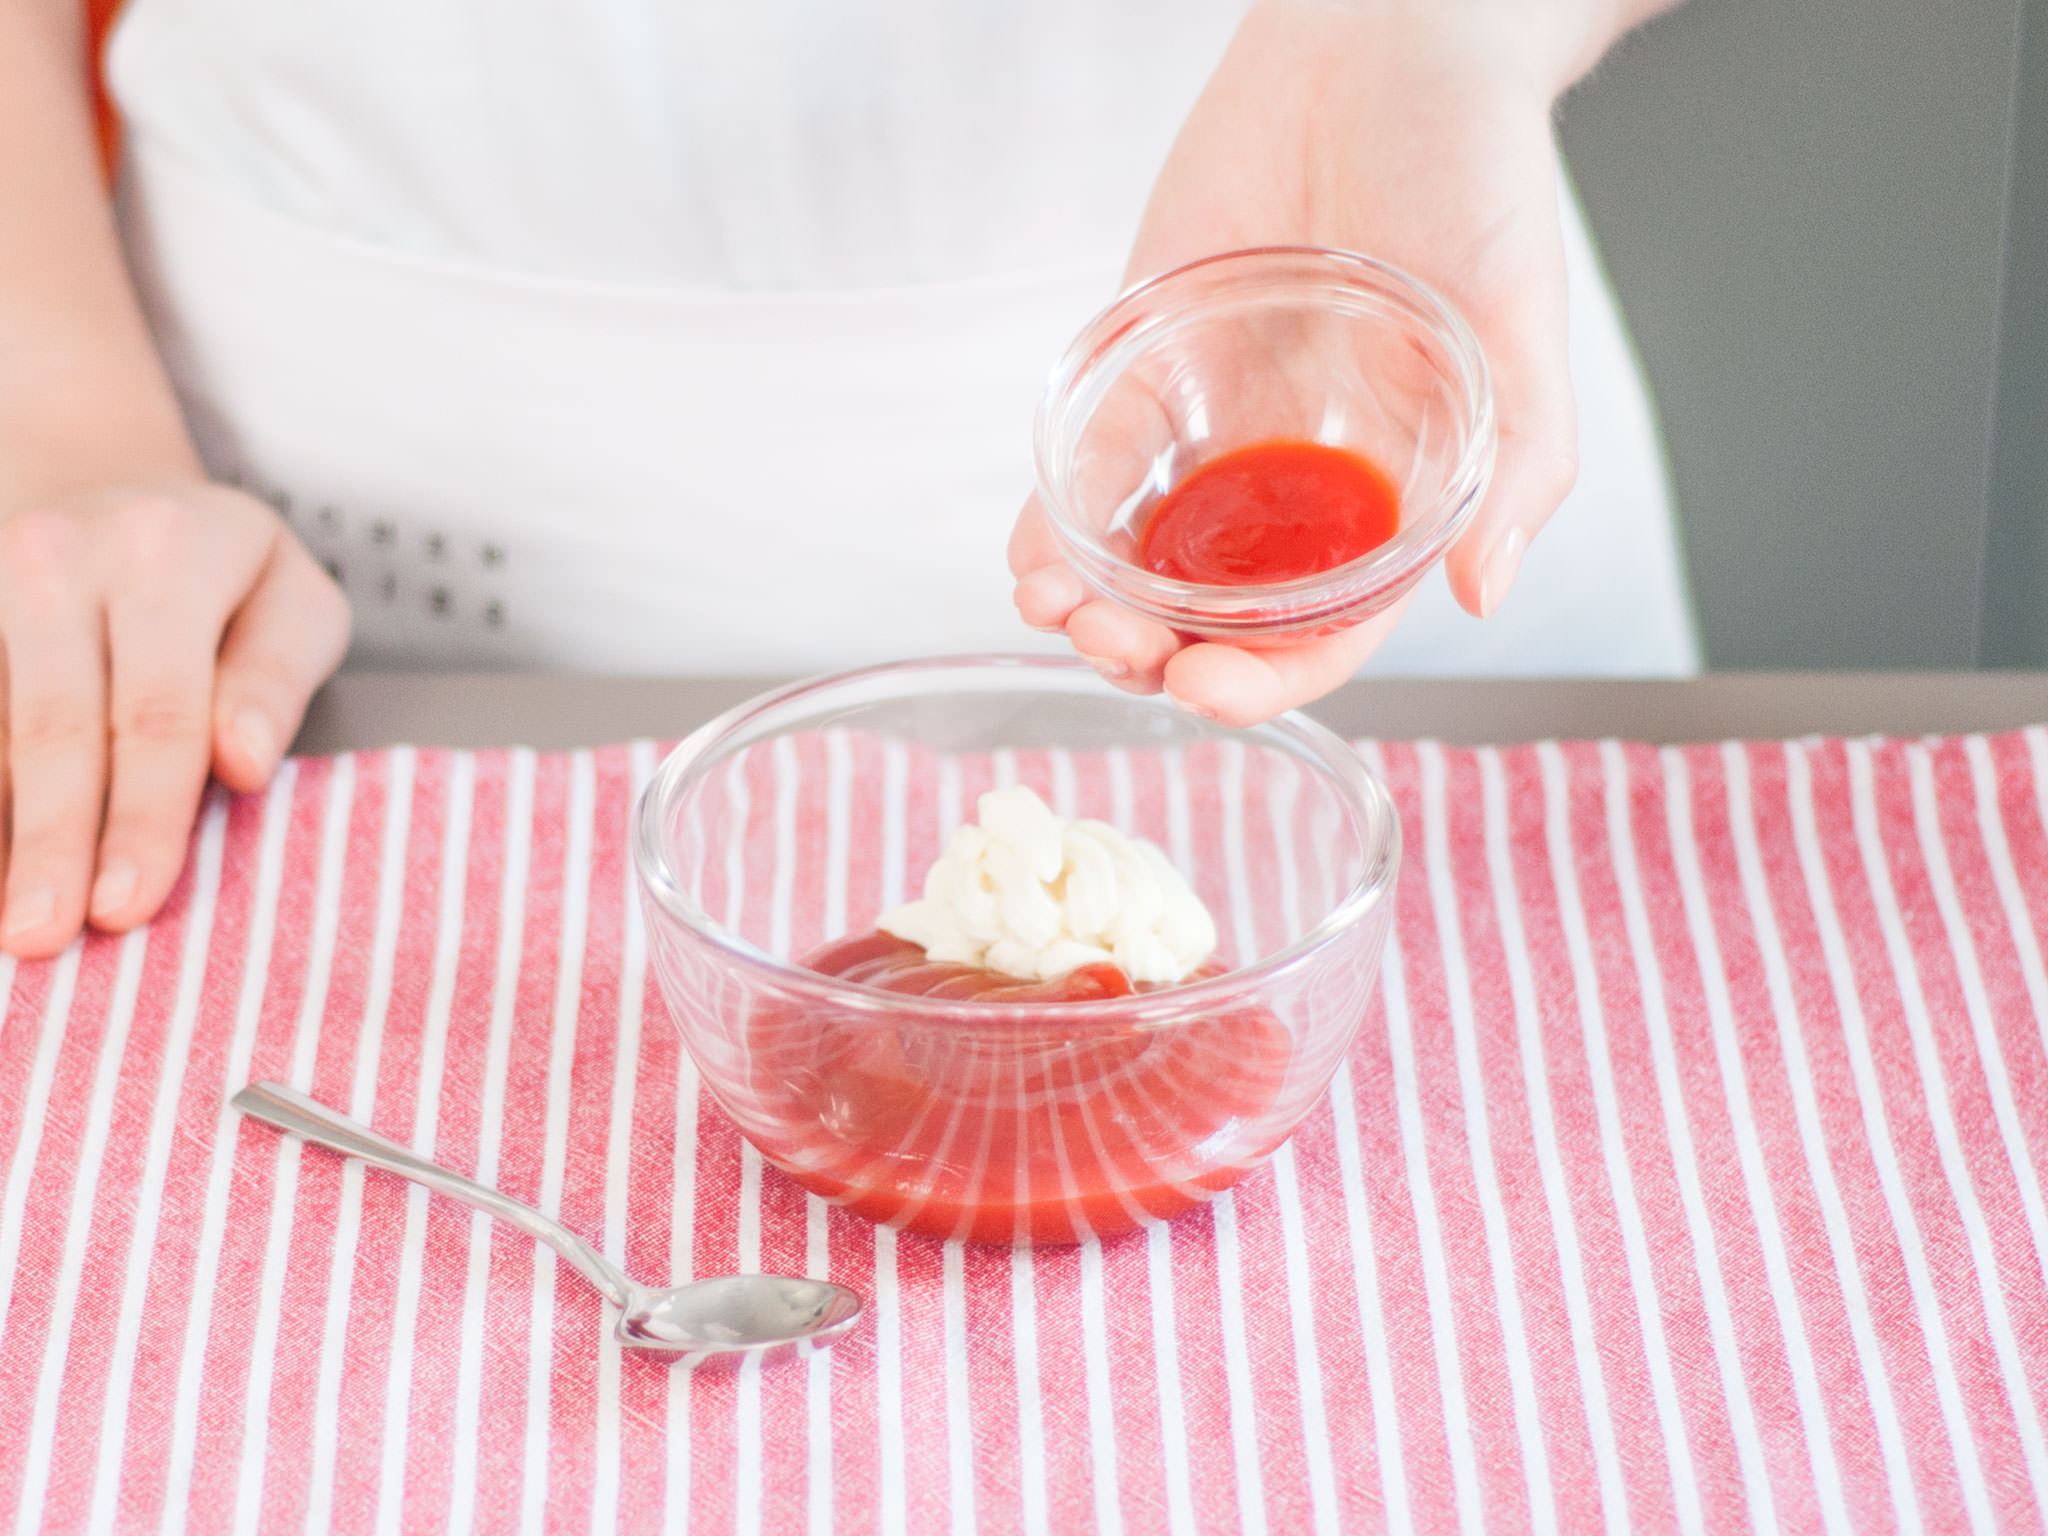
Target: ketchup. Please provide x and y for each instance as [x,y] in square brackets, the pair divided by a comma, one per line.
[1023,1133]
[1270,512]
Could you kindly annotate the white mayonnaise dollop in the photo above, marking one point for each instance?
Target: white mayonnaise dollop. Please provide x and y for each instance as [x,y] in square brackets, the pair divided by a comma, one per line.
[1030,894]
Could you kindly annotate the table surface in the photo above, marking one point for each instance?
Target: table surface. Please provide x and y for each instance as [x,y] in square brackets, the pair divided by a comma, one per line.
[363,710]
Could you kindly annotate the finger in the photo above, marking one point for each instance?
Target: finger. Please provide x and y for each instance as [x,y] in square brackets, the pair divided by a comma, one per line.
[1536,461]
[159,711]
[1241,688]
[56,731]
[1032,544]
[6,820]
[1126,648]
[1047,596]
[284,641]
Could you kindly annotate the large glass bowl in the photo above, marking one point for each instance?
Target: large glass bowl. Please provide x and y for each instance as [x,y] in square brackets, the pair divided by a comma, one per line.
[805,814]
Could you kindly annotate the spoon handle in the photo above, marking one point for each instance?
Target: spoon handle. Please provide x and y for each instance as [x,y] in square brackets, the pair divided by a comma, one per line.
[289,1110]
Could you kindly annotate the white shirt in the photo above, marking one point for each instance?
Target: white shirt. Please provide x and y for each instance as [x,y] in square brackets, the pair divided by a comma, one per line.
[646,335]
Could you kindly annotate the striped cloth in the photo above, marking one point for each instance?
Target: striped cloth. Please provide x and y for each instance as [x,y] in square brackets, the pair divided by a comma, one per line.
[1686,1175]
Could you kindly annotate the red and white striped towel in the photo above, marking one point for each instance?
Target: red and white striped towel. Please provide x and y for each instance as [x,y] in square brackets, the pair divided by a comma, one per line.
[1688,1175]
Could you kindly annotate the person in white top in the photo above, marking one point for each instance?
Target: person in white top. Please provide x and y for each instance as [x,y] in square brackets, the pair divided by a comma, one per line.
[672,335]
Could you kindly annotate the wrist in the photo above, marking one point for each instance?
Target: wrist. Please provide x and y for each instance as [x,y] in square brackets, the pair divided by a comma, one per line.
[1536,48]
[45,461]
[87,407]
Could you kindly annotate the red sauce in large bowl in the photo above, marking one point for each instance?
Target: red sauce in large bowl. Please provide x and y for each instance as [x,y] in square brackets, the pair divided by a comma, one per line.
[1039,1132]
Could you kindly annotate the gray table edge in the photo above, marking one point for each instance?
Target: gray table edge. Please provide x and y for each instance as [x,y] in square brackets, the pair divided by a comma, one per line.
[362,710]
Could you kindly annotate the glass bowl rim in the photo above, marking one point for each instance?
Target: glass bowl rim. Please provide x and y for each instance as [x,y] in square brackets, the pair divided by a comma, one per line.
[1324,749]
[1110,335]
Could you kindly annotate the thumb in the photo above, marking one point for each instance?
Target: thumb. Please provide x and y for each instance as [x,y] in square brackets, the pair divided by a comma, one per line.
[1536,459]
[1531,477]
[288,635]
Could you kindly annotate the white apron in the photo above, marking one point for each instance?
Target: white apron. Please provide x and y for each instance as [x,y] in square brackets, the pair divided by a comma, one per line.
[510,470]
[755,467]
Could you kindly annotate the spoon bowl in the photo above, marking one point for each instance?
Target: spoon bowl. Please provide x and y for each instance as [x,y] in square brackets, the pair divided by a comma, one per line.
[717,1321]
[733,1315]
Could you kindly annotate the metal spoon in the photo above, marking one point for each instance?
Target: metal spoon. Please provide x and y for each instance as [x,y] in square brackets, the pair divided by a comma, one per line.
[708,1321]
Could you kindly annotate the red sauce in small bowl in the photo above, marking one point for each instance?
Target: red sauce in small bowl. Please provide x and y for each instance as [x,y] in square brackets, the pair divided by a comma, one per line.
[1271,512]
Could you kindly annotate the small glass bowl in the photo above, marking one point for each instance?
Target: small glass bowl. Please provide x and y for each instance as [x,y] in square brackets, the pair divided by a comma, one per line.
[803,815]
[1284,342]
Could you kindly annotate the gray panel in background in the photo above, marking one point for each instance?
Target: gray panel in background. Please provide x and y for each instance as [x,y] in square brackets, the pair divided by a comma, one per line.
[1802,205]
[2013,629]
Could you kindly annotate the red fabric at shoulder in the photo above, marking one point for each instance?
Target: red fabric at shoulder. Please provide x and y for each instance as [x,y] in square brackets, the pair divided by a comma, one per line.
[99,21]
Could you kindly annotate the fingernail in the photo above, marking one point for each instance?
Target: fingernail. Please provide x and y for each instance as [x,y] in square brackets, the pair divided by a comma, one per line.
[254,736]
[115,885]
[1108,670]
[30,909]
[1499,572]
[1197,710]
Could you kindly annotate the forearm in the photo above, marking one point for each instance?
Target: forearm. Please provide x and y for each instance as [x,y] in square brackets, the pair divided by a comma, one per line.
[83,398]
[1610,22]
